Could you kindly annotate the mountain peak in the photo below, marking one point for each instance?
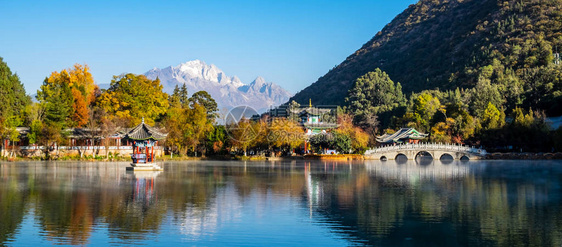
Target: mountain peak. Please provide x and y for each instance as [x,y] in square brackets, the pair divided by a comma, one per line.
[259,81]
[228,91]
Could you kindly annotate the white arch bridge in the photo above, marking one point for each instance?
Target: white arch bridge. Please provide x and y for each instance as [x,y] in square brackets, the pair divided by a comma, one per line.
[436,150]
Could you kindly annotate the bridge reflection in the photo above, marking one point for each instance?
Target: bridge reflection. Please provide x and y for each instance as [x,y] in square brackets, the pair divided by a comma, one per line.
[415,170]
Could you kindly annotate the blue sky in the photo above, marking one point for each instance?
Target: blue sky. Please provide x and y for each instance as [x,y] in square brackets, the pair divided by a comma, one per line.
[289,42]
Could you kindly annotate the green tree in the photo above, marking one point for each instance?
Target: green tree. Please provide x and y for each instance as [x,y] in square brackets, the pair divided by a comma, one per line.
[13,101]
[174,99]
[216,140]
[424,108]
[204,99]
[56,97]
[183,95]
[341,142]
[373,94]
[483,94]
[12,93]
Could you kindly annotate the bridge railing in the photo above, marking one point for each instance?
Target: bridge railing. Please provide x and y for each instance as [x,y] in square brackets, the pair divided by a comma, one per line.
[428,146]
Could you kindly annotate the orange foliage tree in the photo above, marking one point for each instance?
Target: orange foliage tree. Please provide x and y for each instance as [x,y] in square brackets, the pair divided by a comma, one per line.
[81,83]
[359,138]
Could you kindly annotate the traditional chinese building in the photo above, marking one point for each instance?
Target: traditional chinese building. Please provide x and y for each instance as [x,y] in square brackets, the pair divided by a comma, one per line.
[317,120]
[404,135]
[144,139]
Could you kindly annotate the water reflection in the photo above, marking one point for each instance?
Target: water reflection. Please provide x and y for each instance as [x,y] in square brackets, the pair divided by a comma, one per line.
[285,203]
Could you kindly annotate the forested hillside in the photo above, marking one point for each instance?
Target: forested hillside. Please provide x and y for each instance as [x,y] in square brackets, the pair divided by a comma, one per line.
[447,44]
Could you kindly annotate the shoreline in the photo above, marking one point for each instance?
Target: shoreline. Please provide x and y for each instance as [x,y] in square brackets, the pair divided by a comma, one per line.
[332,157]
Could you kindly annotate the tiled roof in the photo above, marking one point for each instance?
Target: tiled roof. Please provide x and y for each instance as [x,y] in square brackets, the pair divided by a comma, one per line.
[309,111]
[144,132]
[404,133]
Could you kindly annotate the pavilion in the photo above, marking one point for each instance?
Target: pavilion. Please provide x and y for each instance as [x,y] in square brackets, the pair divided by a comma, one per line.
[144,139]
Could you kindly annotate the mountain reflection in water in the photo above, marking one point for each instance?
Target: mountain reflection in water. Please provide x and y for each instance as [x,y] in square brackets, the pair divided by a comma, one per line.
[284,203]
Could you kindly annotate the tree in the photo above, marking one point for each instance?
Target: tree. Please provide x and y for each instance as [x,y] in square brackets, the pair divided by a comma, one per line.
[187,128]
[73,90]
[183,95]
[334,140]
[493,118]
[320,142]
[204,99]
[13,101]
[12,93]
[216,140]
[341,142]
[197,126]
[243,133]
[373,94]
[359,139]
[443,131]
[483,94]
[131,97]
[285,133]
[174,99]
[9,131]
[56,96]
[423,109]
[293,110]
[81,112]
[369,122]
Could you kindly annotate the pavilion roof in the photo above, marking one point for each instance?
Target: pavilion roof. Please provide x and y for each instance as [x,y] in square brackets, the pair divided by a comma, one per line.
[320,125]
[144,132]
[310,111]
[404,133]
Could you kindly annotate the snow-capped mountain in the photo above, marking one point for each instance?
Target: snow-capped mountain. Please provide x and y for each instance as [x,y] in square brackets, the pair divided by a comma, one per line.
[226,90]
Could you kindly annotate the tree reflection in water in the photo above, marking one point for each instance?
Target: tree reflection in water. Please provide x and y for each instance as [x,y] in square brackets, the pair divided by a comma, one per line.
[371,202]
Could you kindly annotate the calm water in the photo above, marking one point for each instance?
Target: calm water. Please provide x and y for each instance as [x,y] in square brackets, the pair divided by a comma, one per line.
[488,203]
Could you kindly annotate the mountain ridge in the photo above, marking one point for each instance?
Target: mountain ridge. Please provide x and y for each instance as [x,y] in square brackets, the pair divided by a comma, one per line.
[444,44]
[228,91]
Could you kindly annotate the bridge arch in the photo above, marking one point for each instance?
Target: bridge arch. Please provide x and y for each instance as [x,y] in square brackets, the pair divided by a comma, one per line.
[423,155]
[383,158]
[400,157]
[464,158]
[446,157]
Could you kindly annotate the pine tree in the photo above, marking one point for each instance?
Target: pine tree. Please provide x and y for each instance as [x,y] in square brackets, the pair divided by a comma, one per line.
[12,93]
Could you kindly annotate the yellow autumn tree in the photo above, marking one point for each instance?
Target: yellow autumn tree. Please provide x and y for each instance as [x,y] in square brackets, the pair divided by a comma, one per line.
[285,132]
[132,97]
[243,134]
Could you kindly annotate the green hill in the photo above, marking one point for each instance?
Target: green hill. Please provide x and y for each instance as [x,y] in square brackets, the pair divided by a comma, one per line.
[447,44]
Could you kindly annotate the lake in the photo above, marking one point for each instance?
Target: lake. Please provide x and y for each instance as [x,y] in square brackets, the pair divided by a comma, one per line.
[292,203]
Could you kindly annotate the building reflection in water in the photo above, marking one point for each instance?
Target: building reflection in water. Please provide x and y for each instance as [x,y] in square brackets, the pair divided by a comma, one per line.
[370,202]
[143,186]
[441,203]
